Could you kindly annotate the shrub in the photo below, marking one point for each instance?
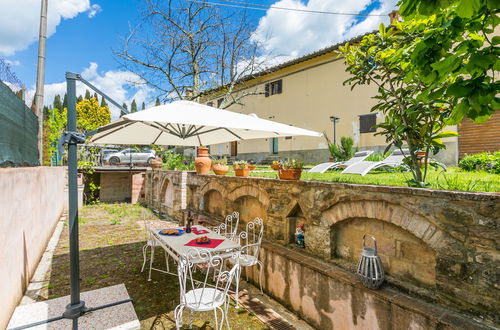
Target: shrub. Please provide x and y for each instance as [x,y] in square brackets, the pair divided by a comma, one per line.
[292,164]
[176,161]
[375,157]
[220,161]
[344,151]
[485,161]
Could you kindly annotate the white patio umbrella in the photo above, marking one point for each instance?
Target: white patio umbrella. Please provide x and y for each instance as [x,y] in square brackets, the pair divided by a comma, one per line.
[186,123]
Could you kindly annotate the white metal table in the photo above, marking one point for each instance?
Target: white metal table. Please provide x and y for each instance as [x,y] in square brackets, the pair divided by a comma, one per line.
[175,246]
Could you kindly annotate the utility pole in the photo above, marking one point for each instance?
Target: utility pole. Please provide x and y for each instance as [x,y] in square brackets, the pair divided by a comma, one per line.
[334,120]
[37,105]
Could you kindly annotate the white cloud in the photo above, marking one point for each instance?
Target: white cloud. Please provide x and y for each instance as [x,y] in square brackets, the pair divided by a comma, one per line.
[13,62]
[121,86]
[288,34]
[94,10]
[20,22]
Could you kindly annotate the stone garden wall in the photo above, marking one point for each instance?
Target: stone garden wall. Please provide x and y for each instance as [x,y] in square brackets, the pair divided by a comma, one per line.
[437,247]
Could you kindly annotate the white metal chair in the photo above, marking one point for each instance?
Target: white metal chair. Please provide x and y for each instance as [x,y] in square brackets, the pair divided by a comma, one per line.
[229,228]
[151,244]
[203,296]
[250,241]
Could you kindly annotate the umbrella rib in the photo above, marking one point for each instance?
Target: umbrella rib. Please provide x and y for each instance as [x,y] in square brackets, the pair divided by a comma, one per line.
[117,129]
[239,137]
[172,128]
[189,130]
[180,131]
[161,132]
[195,131]
[164,128]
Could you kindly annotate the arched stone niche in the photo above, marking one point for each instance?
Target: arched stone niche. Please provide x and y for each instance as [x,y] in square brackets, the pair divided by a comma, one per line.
[250,208]
[167,194]
[214,203]
[409,244]
[403,255]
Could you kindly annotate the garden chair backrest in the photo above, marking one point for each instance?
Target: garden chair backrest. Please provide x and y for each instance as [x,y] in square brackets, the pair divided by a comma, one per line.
[397,156]
[229,228]
[358,156]
[190,279]
[251,239]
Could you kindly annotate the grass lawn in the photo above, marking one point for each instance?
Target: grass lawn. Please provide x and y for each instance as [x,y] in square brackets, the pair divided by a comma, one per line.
[111,239]
[452,179]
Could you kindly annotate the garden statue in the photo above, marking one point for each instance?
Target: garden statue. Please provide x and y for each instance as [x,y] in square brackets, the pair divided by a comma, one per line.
[299,236]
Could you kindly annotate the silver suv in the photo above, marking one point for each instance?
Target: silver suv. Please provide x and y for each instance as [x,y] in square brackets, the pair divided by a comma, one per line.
[131,156]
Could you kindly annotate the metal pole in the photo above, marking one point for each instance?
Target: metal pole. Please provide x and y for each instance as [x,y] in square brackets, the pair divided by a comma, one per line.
[40,77]
[335,131]
[75,308]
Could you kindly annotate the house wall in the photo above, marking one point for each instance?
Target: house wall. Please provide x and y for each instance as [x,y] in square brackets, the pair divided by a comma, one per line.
[31,201]
[312,92]
[439,248]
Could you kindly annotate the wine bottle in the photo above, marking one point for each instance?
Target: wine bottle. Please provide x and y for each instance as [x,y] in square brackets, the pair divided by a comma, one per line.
[189,221]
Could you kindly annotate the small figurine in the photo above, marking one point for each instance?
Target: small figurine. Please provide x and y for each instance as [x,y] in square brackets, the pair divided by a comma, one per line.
[299,236]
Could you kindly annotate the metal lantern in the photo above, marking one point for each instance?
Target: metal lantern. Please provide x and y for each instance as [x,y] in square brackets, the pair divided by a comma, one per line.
[370,268]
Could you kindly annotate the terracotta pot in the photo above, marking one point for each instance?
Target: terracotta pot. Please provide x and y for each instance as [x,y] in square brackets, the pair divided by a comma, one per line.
[242,171]
[289,174]
[220,169]
[421,156]
[156,163]
[331,160]
[202,163]
[252,167]
[275,167]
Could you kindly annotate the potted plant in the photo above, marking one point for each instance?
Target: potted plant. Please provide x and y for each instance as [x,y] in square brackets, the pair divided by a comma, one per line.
[251,166]
[241,168]
[290,170]
[156,163]
[275,165]
[202,162]
[219,166]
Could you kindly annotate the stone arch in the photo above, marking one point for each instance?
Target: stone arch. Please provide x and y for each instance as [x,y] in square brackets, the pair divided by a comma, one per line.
[259,194]
[395,214]
[249,208]
[213,186]
[214,202]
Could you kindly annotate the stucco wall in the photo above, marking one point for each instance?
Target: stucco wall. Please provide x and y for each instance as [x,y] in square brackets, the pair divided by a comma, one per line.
[439,246]
[31,202]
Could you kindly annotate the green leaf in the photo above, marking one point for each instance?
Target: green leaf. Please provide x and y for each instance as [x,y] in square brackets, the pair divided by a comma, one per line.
[459,90]
[445,134]
[468,8]
[447,65]
[458,113]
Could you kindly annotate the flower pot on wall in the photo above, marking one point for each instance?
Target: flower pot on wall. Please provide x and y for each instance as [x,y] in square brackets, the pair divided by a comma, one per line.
[242,171]
[156,163]
[220,169]
[202,163]
[289,173]
[275,167]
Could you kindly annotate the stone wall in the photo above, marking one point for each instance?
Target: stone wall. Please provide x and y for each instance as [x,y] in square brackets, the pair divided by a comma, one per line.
[439,246]
[31,201]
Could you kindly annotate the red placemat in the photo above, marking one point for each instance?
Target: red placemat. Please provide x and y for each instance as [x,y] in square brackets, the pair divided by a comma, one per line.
[197,232]
[213,243]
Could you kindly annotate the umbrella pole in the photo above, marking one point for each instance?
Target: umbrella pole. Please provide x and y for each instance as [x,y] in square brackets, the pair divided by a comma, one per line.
[76,307]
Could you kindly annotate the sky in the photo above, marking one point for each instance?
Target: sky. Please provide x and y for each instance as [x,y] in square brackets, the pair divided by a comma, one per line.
[82,35]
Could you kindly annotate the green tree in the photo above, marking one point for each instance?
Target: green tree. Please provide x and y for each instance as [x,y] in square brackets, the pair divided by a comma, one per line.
[79,99]
[124,106]
[87,94]
[342,152]
[103,102]
[65,102]
[133,106]
[413,114]
[458,51]
[157,102]
[96,96]
[143,106]
[90,115]
[57,104]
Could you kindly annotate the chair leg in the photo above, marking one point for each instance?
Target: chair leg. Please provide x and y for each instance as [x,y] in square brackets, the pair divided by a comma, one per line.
[260,275]
[144,250]
[190,319]
[151,261]
[237,293]
[216,320]
[166,261]
[224,314]
[178,316]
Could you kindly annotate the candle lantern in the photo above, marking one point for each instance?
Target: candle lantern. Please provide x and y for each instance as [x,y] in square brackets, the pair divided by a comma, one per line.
[370,268]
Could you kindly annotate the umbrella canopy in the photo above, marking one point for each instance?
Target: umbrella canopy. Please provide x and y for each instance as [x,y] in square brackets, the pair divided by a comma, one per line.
[186,123]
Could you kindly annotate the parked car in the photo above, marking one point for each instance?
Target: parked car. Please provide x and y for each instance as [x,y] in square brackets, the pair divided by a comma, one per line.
[105,154]
[131,156]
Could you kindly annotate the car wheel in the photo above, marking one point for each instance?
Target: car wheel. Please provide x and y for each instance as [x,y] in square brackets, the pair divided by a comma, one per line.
[114,160]
[150,160]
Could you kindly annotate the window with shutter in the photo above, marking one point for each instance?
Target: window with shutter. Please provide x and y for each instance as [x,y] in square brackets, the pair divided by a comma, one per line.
[367,123]
[273,88]
[210,104]
[267,89]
